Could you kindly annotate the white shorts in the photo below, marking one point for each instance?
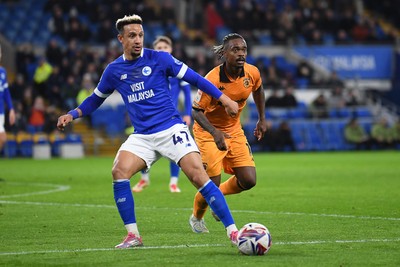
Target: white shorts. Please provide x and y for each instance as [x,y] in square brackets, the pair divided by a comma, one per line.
[2,130]
[172,143]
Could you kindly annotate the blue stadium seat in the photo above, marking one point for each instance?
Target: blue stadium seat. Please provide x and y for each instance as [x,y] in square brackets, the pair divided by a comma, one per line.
[302,83]
[250,59]
[265,60]
[221,31]
[10,149]
[363,112]
[73,138]
[265,39]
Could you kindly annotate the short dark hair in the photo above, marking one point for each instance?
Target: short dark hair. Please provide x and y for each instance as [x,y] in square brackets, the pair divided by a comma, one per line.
[131,19]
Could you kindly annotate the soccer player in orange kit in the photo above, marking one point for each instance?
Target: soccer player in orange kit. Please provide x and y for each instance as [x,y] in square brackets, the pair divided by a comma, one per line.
[220,138]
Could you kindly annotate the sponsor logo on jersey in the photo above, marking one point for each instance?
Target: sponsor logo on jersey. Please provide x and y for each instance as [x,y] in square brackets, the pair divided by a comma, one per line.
[146,71]
[140,96]
[123,76]
[137,86]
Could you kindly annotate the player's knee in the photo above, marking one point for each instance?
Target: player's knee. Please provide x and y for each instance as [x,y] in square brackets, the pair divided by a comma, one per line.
[119,173]
[247,184]
[198,178]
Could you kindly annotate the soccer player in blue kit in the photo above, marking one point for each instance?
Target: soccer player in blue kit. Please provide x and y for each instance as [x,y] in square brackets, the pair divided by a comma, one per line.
[5,98]
[164,43]
[140,75]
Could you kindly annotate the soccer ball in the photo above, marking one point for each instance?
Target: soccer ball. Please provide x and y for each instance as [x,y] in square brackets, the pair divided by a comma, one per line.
[254,239]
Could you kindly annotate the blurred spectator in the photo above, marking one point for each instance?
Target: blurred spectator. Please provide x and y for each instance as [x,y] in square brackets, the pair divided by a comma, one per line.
[288,99]
[105,32]
[274,100]
[17,88]
[334,81]
[86,90]
[336,99]
[168,17]
[351,99]
[319,107]
[381,134]
[56,23]
[54,84]
[304,70]
[342,37]
[25,59]
[285,140]
[274,75]
[37,114]
[41,75]
[54,53]
[279,139]
[69,91]
[361,32]
[51,117]
[355,134]
[396,132]
[78,31]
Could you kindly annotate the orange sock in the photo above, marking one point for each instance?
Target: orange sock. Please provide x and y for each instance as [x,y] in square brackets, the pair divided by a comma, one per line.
[199,206]
[230,186]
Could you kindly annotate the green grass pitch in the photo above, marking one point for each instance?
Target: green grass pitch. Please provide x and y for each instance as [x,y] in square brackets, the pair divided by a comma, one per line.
[322,209]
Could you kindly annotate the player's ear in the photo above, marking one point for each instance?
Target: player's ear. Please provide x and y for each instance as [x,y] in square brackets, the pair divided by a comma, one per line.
[120,37]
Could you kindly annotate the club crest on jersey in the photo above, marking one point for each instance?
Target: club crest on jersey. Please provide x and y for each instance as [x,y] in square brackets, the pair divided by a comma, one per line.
[146,71]
[246,82]
[177,61]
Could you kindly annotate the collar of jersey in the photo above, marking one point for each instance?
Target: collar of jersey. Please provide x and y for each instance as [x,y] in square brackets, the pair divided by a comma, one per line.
[141,55]
[223,77]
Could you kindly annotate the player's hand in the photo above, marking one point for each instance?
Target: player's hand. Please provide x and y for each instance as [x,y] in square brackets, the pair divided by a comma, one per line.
[187,119]
[231,107]
[261,128]
[219,139]
[11,116]
[63,121]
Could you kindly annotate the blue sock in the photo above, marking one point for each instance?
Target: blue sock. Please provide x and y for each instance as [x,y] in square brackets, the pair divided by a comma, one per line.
[174,169]
[124,200]
[217,203]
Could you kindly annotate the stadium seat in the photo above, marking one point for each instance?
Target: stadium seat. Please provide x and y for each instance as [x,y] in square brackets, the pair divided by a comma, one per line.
[40,138]
[73,138]
[363,112]
[56,139]
[10,149]
[221,31]
[25,144]
[265,39]
[302,83]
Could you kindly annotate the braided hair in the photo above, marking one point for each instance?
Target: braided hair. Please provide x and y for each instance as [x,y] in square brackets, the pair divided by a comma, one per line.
[219,49]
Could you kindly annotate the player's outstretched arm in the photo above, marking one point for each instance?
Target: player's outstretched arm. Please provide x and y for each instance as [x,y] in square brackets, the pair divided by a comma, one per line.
[231,107]
[65,119]
[89,105]
[192,77]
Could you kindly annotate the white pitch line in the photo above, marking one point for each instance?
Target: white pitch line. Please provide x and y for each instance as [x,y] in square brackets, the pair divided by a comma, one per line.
[57,188]
[317,242]
[189,209]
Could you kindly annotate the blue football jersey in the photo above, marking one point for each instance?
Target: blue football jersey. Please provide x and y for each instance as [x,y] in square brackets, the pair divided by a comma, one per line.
[144,87]
[4,94]
[177,86]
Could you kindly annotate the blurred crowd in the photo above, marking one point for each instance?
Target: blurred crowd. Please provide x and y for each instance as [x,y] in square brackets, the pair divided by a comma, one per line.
[48,84]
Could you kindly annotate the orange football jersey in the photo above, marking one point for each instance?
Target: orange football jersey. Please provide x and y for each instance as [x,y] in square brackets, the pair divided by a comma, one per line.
[237,89]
